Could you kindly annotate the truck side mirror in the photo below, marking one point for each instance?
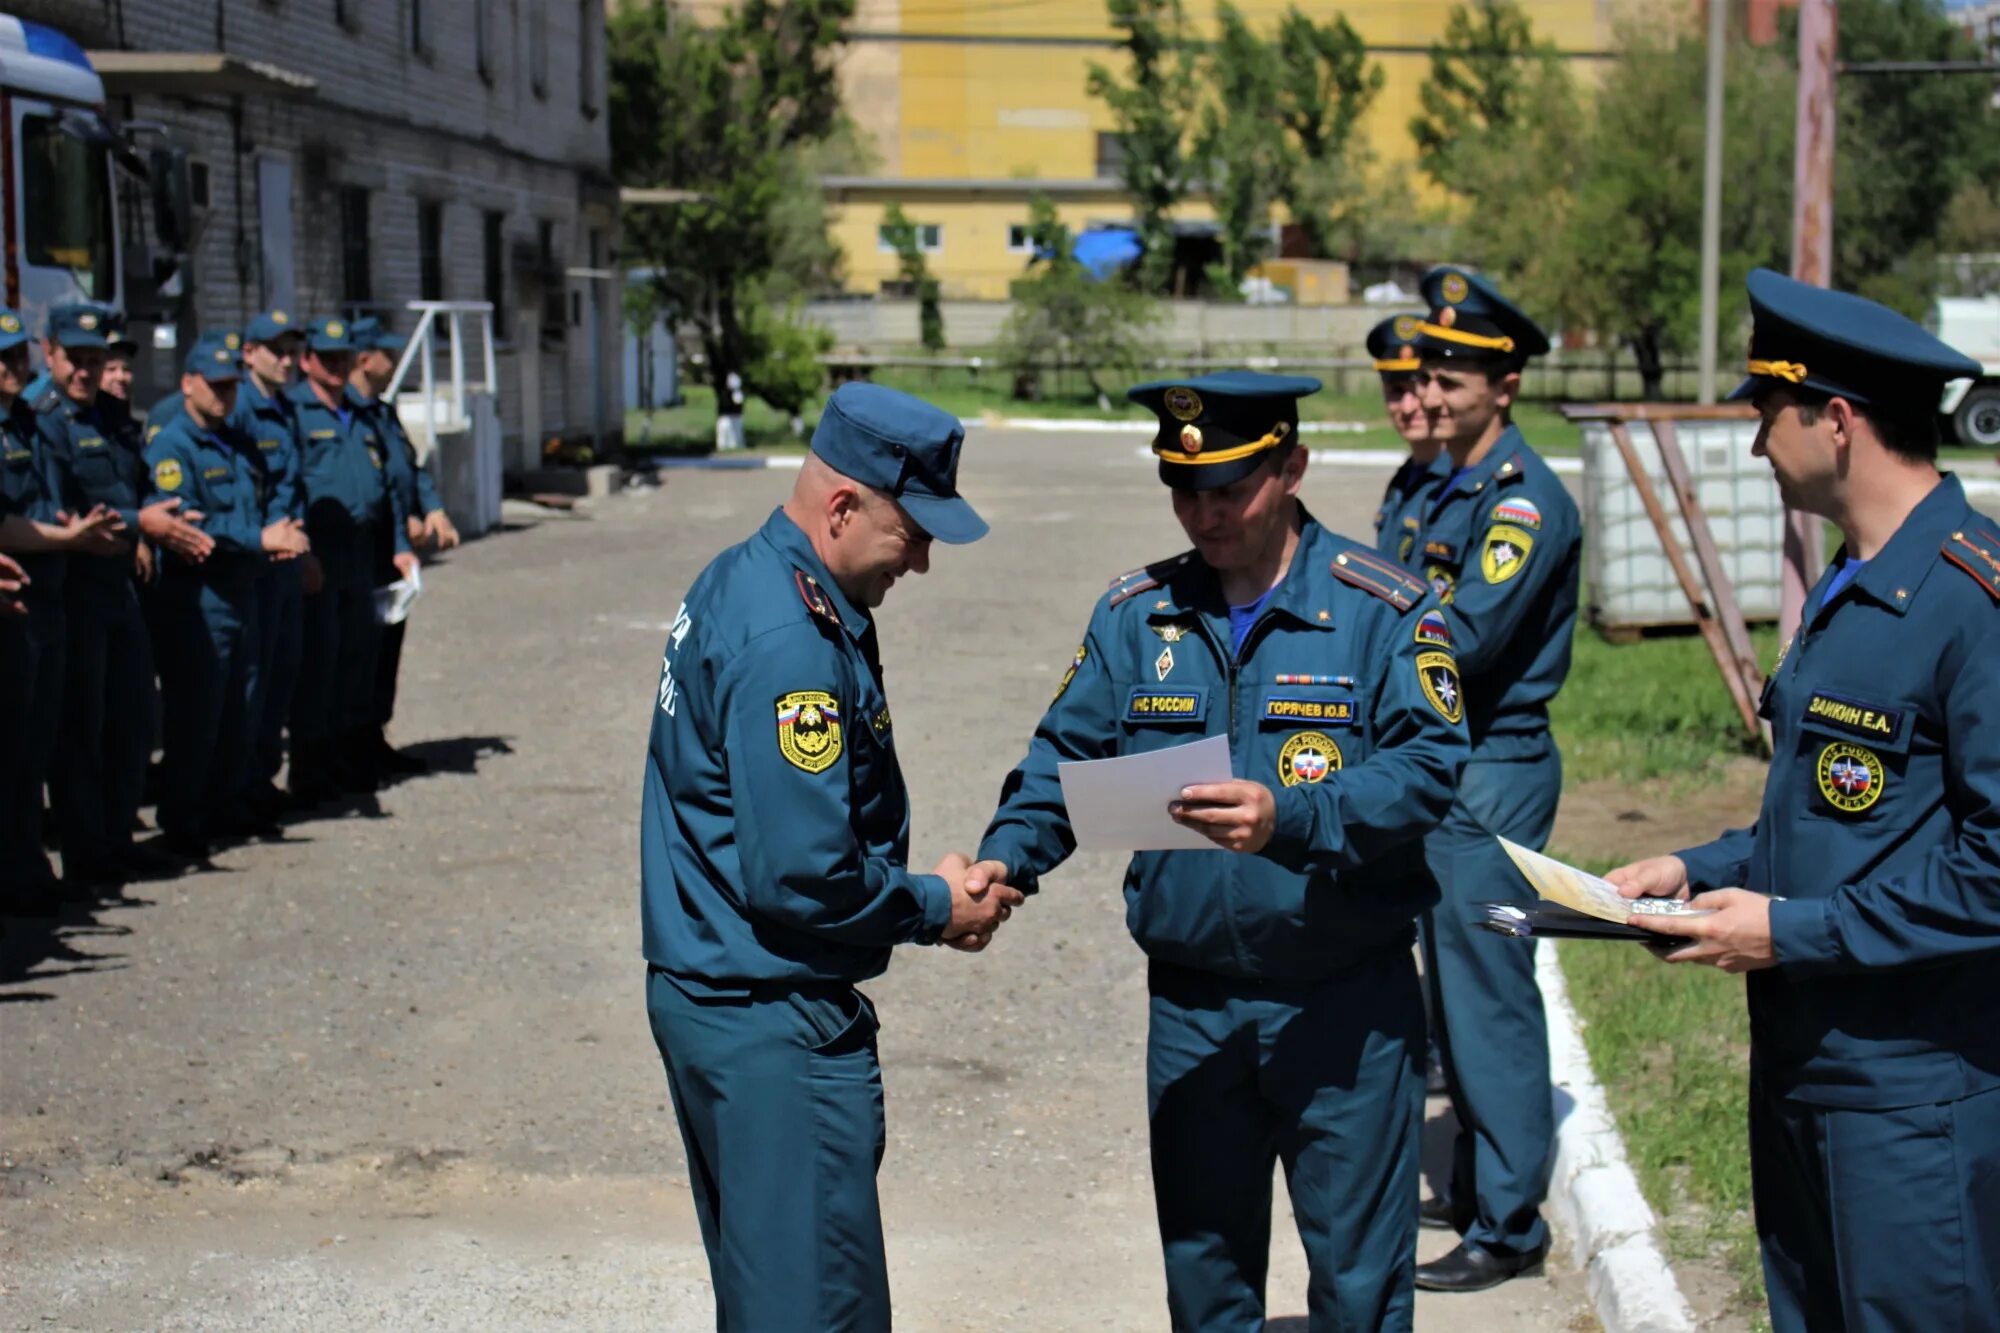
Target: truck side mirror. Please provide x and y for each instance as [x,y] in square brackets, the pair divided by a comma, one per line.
[173,206]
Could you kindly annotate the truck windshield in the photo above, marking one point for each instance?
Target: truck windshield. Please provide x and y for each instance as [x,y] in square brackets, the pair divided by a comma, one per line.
[66,205]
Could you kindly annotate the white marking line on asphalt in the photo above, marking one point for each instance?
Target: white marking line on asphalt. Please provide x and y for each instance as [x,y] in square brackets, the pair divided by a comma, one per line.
[1592,1189]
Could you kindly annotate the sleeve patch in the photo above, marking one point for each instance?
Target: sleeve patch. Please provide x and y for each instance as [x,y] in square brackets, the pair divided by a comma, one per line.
[1522,513]
[1070,675]
[1437,672]
[1433,630]
[809,730]
[167,474]
[1505,553]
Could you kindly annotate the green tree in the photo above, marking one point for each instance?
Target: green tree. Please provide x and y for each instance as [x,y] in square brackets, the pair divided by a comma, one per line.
[1240,145]
[1325,84]
[1064,319]
[1153,105]
[740,114]
[915,273]
[1486,74]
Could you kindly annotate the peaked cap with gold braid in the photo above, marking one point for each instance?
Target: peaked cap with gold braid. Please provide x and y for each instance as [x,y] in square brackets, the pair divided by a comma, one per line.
[1392,345]
[1842,345]
[1218,429]
[1471,321]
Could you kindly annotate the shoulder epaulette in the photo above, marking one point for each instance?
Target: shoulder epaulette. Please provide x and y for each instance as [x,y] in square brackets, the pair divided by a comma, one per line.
[51,399]
[1145,578]
[815,597]
[1976,550]
[1386,579]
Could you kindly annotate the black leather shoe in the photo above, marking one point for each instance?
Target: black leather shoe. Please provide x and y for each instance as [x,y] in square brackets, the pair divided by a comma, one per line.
[145,861]
[1434,1214]
[194,851]
[1474,1268]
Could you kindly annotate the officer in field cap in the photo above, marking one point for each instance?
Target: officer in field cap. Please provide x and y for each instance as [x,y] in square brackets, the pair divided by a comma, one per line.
[1868,912]
[774,863]
[1392,347]
[1285,1018]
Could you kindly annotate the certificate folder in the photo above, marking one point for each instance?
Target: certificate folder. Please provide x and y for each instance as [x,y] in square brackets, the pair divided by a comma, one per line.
[1548,921]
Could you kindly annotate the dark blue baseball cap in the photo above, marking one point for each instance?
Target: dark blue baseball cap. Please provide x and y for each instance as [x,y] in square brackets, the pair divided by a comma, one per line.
[270,326]
[1217,429]
[13,329]
[332,334]
[1842,345]
[78,325]
[372,335]
[1393,344]
[1470,320]
[215,356]
[117,338]
[896,443]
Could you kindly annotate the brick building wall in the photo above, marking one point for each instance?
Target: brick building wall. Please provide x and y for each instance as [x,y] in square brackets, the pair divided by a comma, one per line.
[482,109]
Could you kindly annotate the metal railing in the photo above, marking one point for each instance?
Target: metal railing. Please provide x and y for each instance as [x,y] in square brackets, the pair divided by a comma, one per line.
[419,353]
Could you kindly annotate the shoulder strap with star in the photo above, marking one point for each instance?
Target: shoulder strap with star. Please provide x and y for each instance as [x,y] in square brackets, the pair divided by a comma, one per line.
[1975,549]
[1144,579]
[1378,575]
[815,598]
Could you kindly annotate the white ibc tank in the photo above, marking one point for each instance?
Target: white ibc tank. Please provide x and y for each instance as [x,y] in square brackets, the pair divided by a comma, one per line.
[1631,585]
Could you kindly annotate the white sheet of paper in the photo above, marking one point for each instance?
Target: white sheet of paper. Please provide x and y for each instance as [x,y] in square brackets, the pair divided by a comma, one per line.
[1120,805]
[1575,889]
[393,601]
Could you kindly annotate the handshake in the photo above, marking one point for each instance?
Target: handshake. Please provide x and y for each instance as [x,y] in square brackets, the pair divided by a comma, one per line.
[981,899]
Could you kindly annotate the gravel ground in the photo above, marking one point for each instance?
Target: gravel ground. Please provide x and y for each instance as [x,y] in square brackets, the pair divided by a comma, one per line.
[395,1072]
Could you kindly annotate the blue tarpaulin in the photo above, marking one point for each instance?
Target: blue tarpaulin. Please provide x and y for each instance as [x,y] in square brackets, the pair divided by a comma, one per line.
[1104,252]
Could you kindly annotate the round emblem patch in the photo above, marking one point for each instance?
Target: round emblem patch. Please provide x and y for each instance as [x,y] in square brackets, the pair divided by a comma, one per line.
[1183,402]
[232,341]
[1191,439]
[1438,673]
[9,324]
[1454,287]
[1850,777]
[86,320]
[1307,757]
[1405,327]
[167,474]
[280,317]
[335,329]
[809,729]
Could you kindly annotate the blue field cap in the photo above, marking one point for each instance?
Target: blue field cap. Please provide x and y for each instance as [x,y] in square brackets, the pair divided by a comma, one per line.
[216,355]
[1217,429]
[332,334]
[1842,345]
[13,329]
[78,325]
[372,335]
[899,444]
[270,326]
[1470,320]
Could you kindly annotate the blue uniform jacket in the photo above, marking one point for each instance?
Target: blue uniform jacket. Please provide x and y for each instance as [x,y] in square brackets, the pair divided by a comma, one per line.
[31,485]
[775,826]
[410,479]
[97,450]
[270,427]
[1344,702]
[345,464]
[164,411]
[1404,500]
[208,472]
[1503,547]
[1880,828]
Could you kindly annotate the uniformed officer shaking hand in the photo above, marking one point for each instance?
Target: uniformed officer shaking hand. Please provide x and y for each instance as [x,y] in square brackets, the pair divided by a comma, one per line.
[1286,1022]
[774,847]
[1869,912]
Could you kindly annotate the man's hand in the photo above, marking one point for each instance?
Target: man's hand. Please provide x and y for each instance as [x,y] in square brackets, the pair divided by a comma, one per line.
[975,914]
[286,539]
[406,563]
[1238,815]
[142,561]
[415,527]
[96,533]
[165,524]
[1737,938]
[312,576]
[1655,877]
[12,579]
[442,533]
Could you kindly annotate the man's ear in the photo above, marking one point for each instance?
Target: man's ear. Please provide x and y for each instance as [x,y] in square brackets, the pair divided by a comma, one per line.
[1509,388]
[1841,413]
[843,505]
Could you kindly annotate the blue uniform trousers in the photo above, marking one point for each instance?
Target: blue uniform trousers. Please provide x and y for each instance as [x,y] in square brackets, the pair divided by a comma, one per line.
[209,621]
[107,715]
[1878,1220]
[336,683]
[389,646]
[280,642]
[1493,1034]
[1324,1076]
[780,1108]
[31,688]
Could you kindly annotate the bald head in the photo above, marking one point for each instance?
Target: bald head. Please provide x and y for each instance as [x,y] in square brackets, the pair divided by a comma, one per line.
[861,534]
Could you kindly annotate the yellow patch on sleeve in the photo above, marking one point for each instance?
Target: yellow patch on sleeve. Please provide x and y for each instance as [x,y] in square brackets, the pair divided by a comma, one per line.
[167,474]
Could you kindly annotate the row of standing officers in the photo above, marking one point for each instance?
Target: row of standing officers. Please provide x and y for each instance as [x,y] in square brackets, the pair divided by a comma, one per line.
[227,546]
[1386,704]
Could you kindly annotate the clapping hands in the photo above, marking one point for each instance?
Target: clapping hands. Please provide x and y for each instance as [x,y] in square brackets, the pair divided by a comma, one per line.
[981,899]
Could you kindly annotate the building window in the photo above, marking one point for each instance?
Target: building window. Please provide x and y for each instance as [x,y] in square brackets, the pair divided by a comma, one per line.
[482,38]
[538,47]
[1020,238]
[430,250]
[590,26]
[420,31]
[347,13]
[930,239]
[496,273]
[355,286]
[1110,156]
[199,195]
[553,324]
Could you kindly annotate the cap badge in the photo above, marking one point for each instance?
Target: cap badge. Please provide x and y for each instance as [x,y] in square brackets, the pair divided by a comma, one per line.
[1405,328]
[1447,317]
[232,341]
[1454,288]
[335,329]
[221,357]
[86,320]
[1191,439]
[280,317]
[1183,402]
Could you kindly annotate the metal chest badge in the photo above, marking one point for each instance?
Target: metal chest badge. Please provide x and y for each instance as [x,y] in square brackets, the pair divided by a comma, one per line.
[809,730]
[1164,662]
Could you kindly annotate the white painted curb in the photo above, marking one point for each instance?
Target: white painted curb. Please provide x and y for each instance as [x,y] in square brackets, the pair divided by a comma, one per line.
[1593,1193]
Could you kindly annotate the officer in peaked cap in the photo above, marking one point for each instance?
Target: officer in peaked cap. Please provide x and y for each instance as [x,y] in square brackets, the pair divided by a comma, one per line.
[1392,347]
[773,852]
[207,610]
[1869,912]
[1500,540]
[1285,1018]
